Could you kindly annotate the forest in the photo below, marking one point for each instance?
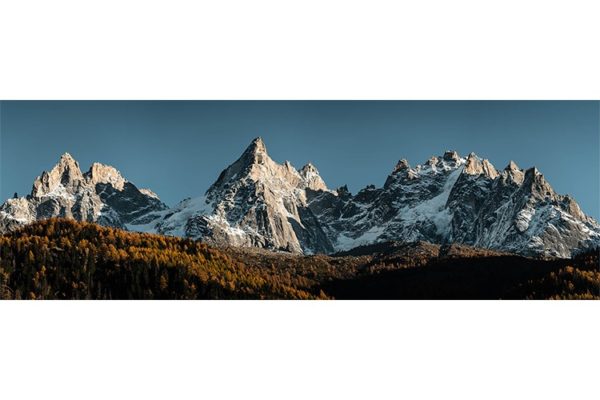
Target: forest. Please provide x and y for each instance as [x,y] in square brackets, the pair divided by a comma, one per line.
[64,259]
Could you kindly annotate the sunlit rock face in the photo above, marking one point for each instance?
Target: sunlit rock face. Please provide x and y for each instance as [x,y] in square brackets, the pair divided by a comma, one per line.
[258,202]
[450,199]
[255,202]
[100,195]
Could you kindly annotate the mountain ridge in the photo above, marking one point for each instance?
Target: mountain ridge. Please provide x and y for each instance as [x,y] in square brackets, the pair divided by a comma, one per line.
[257,202]
[99,195]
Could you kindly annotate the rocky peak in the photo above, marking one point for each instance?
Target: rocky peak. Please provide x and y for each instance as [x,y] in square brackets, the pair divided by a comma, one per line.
[259,202]
[401,171]
[512,173]
[308,169]
[250,163]
[535,182]
[489,170]
[473,166]
[67,159]
[67,168]
[476,166]
[432,161]
[68,193]
[401,166]
[451,155]
[343,191]
[512,166]
[311,177]
[256,152]
[100,173]
[532,173]
[65,173]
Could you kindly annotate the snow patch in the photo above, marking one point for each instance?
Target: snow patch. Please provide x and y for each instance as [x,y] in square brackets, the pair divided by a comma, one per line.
[433,209]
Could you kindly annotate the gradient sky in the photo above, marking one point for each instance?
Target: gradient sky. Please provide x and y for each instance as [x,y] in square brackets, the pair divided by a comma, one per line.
[178,148]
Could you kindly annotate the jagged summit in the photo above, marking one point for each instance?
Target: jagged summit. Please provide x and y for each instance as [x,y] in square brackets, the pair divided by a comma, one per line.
[67,165]
[258,202]
[100,195]
[451,155]
[535,182]
[309,167]
[489,170]
[66,157]
[65,176]
[401,165]
[256,151]
[101,173]
[451,199]
[311,177]
[513,174]
[258,143]
[343,191]
[256,165]
[512,166]
[473,166]
[432,161]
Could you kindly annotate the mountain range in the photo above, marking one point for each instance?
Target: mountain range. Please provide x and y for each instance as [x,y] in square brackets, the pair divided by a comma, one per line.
[257,202]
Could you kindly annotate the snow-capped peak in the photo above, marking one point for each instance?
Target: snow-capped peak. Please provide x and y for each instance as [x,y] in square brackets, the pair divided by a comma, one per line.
[258,202]
[66,192]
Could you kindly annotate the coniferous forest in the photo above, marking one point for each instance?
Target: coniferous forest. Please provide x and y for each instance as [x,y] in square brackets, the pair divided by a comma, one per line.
[64,259]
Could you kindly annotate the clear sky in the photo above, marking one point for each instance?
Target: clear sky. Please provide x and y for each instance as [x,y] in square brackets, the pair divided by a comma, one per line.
[178,148]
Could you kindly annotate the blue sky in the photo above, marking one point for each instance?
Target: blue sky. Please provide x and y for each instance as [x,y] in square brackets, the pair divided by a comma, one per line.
[178,148]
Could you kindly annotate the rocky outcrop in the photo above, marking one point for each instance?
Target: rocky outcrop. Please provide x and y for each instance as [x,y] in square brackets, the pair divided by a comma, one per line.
[448,199]
[260,203]
[100,195]
[254,202]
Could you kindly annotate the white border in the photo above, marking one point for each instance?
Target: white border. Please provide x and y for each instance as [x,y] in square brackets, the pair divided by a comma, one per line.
[299,350]
[313,49]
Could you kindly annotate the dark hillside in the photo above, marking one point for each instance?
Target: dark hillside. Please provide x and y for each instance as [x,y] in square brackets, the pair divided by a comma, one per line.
[64,259]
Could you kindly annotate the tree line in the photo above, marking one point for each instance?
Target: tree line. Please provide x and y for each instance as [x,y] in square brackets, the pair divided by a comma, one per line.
[65,259]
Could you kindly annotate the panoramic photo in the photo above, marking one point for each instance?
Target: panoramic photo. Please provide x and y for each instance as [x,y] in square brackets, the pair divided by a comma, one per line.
[299,200]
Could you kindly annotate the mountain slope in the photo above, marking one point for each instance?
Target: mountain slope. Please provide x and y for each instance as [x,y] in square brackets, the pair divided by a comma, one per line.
[257,202]
[450,199]
[254,202]
[99,195]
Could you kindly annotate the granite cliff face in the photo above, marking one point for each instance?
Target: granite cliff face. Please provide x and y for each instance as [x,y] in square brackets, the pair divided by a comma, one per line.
[450,199]
[254,202]
[260,203]
[100,195]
